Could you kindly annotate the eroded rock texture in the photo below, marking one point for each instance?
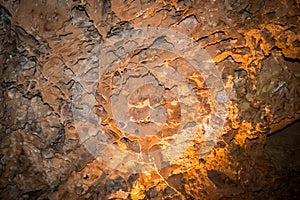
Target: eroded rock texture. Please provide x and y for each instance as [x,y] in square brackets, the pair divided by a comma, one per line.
[45,44]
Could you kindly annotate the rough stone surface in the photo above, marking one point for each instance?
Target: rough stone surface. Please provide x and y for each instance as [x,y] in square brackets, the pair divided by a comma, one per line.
[44,46]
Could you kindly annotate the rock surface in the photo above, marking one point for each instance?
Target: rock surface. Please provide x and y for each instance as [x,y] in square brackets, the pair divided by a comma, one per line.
[160,126]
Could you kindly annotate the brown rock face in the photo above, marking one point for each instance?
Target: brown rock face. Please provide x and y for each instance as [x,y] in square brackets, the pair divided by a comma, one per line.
[180,99]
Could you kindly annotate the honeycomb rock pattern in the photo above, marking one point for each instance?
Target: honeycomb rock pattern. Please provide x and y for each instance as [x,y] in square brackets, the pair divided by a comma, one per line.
[254,46]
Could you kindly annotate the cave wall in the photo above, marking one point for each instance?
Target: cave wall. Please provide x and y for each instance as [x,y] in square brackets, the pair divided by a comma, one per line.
[254,46]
